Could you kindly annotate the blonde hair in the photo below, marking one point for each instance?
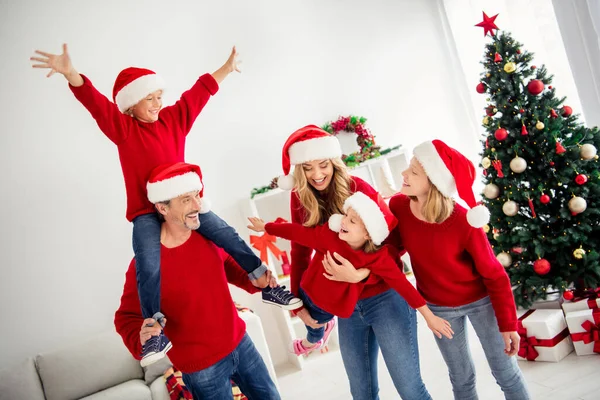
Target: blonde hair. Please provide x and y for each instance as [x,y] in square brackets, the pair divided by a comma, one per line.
[319,206]
[437,207]
[370,247]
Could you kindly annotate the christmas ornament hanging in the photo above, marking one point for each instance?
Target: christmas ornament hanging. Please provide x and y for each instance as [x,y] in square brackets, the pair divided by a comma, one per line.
[568,295]
[541,266]
[539,125]
[581,179]
[491,191]
[544,199]
[480,88]
[579,253]
[501,134]
[486,228]
[491,110]
[486,120]
[518,165]
[524,130]
[566,111]
[510,67]
[535,87]
[505,259]
[560,148]
[486,163]
[510,208]
[553,114]
[577,205]
[497,57]
[587,151]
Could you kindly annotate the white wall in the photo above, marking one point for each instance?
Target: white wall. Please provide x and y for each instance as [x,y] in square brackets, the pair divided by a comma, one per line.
[65,241]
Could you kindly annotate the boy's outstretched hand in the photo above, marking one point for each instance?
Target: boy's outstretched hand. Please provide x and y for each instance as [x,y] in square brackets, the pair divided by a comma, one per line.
[232,64]
[60,63]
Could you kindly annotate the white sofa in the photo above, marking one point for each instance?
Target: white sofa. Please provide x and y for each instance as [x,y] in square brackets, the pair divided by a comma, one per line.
[100,368]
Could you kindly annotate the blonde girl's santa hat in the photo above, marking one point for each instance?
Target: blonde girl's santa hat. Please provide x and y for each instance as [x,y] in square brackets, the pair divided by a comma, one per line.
[168,181]
[374,212]
[306,144]
[450,171]
[133,84]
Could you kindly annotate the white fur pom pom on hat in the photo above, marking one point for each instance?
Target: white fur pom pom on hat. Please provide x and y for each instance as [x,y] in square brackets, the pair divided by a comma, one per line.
[335,222]
[286,182]
[478,216]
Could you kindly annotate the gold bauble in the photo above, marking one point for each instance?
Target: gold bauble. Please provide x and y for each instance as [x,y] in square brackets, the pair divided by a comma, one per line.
[486,163]
[540,125]
[579,253]
[486,120]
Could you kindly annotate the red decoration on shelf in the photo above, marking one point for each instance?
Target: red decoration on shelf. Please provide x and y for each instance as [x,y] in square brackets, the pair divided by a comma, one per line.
[541,266]
[497,164]
[568,295]
[581,179]
[488,24]
[524,130]
[480,87]
[497,57]
[501,134]
[559,148]
[535,87]
[544,199]
[532,209]
[567,111]
[553,113]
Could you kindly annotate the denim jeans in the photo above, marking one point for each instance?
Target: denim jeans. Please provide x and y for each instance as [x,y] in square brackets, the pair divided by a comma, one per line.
[457,355]
[244,366]
[319,315]
[383,321]
[146,247]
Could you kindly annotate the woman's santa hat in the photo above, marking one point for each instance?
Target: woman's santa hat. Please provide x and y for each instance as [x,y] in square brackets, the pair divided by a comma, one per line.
[169,181]
[133,84]
[306,144]
[374,212]
[450,171]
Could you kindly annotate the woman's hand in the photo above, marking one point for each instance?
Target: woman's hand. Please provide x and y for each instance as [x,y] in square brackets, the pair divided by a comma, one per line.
[343,271]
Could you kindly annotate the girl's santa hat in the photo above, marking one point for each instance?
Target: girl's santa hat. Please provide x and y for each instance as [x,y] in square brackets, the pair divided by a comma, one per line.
[306,144]
[168,181]
[374,212]
[450,171]
[133,84]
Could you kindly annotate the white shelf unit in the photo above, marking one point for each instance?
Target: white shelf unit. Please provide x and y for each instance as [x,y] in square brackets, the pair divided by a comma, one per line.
[384,174]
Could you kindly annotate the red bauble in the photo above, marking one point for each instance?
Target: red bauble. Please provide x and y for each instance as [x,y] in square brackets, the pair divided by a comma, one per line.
[480,87]
[541,266]
[580,179]
[533,67]
[501,134]
[567,111]
[544,199]
[518,51]
[535,87]
[552,163]
[568,295]
[521,111]
[550,87]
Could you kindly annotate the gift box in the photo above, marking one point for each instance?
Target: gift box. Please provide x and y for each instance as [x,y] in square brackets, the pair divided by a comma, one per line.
[583,300]
[544,336]
[584,327]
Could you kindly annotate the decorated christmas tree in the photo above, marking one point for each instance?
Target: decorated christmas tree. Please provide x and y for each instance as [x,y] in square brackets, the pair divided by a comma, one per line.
[541,175]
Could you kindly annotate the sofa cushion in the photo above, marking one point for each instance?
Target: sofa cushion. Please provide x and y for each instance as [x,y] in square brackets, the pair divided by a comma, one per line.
[131,390]
[87,367]
[21,382]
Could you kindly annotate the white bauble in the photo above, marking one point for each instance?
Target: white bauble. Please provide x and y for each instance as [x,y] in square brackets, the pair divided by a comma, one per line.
[518,164]
[491,191]
[505,259]
[510,208]
[577,205]
[587,151]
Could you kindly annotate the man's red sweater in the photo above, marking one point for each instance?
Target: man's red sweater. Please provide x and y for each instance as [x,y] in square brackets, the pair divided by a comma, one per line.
[339,298]
[143,146]
[202,321]
[454,263]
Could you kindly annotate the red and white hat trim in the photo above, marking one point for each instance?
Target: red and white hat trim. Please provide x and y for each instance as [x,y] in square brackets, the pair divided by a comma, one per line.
[173,187]
[434,167]
[136,90]
[315,149]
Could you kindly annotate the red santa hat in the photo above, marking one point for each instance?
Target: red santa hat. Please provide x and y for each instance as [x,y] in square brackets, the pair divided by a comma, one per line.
[133,84]
[306,144]
[450,171]
[374,212]
[168,181]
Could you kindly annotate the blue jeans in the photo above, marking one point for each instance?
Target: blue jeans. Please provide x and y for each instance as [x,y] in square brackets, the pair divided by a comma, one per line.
[457,355]
[244,366]
[319,315]
[383,321]
[146,246]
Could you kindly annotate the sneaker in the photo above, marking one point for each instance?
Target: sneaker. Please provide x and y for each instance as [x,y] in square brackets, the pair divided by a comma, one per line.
[300,350]
[328,329]
[281,297]
[155,349]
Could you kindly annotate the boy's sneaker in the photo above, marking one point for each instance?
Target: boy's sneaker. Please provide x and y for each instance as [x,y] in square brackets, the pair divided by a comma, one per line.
[281,297]
[155,349]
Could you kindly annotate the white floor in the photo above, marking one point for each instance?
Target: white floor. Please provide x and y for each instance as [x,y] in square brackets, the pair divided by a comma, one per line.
[574,378]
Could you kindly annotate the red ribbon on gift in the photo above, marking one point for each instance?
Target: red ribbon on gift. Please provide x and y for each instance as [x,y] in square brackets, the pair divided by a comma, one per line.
[263,244]
[591,295]
[527,343]
[592,331]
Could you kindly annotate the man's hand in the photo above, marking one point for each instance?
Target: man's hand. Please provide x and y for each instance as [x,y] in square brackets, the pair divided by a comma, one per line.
[150,328]
[256,224]
[266,280]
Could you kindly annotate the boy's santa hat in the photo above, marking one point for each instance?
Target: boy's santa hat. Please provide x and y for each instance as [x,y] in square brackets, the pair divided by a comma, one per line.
[450,171]
[133,84]
[374,212]
[306,144]
[167,181]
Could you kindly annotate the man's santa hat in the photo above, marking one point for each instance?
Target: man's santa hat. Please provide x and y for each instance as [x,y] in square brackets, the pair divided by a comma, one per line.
[167,181]
[306,144]
[133,84]
[450,171]
[374,212]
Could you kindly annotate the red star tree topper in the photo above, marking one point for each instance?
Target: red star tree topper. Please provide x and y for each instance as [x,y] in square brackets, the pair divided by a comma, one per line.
[488,24]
